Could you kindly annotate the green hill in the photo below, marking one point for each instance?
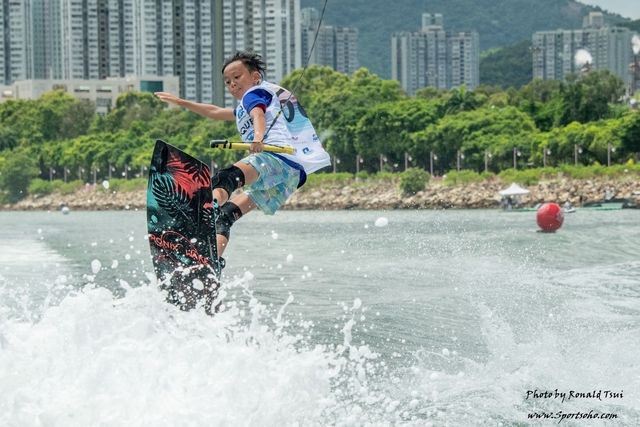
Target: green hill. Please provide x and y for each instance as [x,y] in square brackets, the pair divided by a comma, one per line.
[499,22]
[633,25]
[506,67]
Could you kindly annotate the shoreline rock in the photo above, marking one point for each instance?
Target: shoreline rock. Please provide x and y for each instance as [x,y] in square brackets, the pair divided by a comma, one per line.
[364,196]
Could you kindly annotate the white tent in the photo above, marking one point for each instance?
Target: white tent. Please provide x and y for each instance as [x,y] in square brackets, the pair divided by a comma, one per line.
[514,190]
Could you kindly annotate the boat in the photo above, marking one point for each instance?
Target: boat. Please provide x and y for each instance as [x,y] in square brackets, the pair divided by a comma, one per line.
[612,204]
[569,210]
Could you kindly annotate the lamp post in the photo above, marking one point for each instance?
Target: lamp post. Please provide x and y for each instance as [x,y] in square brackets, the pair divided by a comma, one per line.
[487,154]
[95,171]
[576,150]
[407,159]
[460,156]
[358,161]
[382,160]
[432,157]
[610,149]
[545,151]
[516,153]
[335,163]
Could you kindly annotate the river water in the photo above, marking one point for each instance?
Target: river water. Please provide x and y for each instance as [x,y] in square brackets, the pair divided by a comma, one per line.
[429,318]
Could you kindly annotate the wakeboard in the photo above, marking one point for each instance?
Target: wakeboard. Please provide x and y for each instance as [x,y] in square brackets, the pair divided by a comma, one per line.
[181,228]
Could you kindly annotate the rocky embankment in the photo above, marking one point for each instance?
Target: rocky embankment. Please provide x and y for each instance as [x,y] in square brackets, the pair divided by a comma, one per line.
[368,195]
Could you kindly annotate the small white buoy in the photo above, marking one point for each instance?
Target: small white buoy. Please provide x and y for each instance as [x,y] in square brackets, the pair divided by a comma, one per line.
[381,222]
[65,210]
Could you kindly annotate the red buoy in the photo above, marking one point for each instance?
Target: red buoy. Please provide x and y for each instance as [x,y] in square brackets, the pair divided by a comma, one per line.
[550,217]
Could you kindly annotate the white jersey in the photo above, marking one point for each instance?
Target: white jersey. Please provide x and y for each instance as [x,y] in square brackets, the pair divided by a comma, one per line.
[292,128]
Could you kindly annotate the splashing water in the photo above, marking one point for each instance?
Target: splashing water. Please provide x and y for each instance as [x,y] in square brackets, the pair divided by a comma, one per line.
[137,361]
[445,322]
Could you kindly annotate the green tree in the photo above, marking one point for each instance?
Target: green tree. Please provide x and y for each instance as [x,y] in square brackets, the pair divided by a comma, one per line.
[53,107]
[587,98]
[630,135]
[385,129]
[316,79]
[463,100]
[539,90]
[16,173]
[473,132]
[337,110]
[78,118]
[23,117]
[8,139]
[132,106]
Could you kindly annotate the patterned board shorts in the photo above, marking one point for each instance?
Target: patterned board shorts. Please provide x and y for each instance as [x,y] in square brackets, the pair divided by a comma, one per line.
[276,183]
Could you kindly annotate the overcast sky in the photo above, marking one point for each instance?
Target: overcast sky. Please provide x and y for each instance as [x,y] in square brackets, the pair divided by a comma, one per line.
[626,8]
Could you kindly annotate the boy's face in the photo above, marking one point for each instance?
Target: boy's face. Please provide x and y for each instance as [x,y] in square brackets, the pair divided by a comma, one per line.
[239,79]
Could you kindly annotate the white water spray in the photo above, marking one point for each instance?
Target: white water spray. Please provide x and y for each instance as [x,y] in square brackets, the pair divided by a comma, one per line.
[635,44]
[582,57]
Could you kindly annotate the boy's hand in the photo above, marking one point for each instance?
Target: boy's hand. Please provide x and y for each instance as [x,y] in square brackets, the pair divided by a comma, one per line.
[168,97]
[256,147]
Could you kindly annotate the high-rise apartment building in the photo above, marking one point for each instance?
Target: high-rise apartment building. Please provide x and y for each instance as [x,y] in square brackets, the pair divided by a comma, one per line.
[276,36]
[335,47]
[99,39]
[270,28]
[15,41]
[433,57]
[346,50]
[554,52]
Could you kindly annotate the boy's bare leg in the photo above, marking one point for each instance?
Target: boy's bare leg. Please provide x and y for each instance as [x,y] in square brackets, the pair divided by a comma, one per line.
[243,201]
[250,176]
[246,205]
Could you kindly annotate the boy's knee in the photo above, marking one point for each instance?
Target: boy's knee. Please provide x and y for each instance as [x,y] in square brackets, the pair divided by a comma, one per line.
[229,179]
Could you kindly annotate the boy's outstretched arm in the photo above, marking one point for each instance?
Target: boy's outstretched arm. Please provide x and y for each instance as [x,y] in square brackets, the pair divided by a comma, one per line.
[259,128]
[207,110]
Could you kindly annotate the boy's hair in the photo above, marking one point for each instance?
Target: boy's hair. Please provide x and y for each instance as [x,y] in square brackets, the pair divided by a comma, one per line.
[252,61]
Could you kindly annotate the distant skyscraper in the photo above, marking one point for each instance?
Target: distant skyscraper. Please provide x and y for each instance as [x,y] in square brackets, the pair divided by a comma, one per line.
[276,36]
[346,50]
[270,28]
[431,57]
[15,41]
[98,39]
[463,59]
[335,47]
[238,26]
[554,52]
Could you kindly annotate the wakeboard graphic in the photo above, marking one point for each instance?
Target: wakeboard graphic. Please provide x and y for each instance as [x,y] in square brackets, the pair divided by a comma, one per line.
[181,227]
